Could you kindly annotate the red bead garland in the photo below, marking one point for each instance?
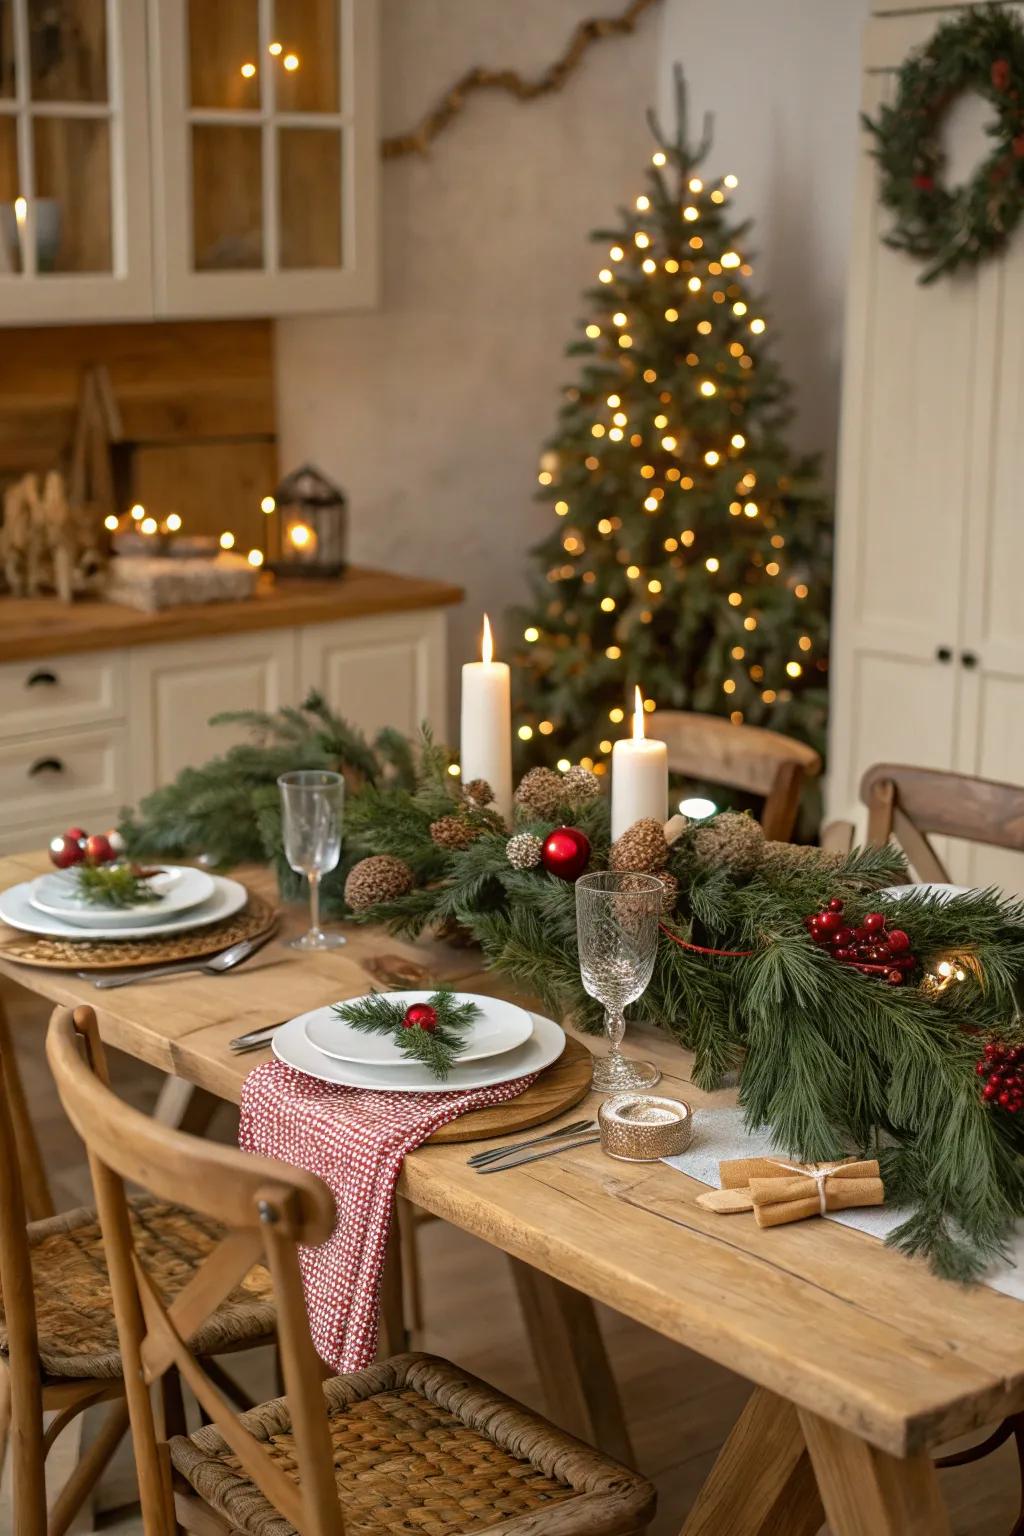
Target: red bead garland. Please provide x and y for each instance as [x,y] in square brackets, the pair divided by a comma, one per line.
[870,948]
[1003,1068]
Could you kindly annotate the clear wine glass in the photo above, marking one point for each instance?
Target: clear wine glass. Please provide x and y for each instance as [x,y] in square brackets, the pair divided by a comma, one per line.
[617,930]
[311,804]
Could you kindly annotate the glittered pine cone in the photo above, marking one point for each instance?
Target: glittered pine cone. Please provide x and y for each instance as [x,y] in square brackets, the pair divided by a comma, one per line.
[478,792]
[671,887]
[540,792]
[782,858]
[641,847]
[453,832]
[734,839]
[524,850]
[579,785]
[383,877]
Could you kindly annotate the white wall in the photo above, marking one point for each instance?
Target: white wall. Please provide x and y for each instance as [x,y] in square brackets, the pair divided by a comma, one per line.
[782,79]
[431,411]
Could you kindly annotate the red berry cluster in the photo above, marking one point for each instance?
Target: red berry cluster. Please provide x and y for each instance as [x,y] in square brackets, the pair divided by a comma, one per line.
[1003,1067]
[76,846]
[869,947]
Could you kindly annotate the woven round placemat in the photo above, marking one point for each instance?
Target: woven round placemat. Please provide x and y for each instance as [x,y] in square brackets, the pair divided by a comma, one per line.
[256,918]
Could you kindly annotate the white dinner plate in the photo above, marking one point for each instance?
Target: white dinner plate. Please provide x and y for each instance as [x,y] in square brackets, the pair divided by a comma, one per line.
[292,1045]
[17,911]
[178,886]
[500,1027]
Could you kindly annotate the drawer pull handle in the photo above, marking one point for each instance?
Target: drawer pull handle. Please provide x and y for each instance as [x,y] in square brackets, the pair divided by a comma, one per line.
[968,659]
[45,765]
[42,677]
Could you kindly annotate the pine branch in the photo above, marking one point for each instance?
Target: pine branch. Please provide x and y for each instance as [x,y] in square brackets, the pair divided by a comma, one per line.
[437,1048]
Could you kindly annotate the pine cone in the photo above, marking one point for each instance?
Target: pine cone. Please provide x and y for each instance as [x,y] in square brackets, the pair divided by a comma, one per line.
[523,851]
[580,785]
[782,858]
[478,792]
[540,792]
[383,877]
[642,847]
[453,832]
[734,839]
[671,895]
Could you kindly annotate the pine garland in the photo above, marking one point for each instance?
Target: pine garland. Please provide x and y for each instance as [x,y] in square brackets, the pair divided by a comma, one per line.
[437,1048]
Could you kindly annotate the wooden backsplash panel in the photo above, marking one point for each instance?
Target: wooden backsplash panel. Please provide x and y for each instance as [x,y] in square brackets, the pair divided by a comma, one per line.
[196,402]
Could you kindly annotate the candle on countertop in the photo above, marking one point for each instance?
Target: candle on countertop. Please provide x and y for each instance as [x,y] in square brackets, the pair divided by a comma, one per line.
[486,739]
[639,777]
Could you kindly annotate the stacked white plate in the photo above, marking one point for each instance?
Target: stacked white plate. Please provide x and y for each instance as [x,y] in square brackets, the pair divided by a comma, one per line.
[189,898]
[503,1043]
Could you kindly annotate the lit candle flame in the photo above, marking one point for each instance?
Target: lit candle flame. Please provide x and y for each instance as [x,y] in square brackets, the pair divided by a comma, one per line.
[20,210]
[487,643]
[301,535]
[638,715]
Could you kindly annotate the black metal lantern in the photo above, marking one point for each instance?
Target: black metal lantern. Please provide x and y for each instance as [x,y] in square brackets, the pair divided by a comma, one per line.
[310,526]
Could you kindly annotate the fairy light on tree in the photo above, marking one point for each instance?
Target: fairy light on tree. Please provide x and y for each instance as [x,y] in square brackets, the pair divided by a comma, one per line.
[698,537]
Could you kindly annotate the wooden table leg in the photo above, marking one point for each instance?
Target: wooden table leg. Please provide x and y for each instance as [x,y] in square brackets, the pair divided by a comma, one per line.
[869,1493]
[762,1483]
[184,1106]
[34,1183]
[394,1336]
[572,1362]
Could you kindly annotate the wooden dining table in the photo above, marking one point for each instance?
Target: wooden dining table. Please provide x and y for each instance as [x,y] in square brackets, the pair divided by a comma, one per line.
[862,1361]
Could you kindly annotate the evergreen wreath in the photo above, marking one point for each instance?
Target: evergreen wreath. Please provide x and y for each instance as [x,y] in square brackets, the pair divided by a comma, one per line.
[947,227]
[927,1074]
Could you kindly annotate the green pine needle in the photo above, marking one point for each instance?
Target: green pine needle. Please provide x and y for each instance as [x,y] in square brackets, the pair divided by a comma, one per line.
[436,1049]
[114,885]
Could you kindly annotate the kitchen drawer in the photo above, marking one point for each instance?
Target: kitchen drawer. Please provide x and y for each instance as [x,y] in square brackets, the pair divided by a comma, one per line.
[55,694]
[60,778]
[31,837]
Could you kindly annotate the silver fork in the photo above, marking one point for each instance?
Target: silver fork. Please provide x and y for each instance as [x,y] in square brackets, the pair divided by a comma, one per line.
[495,1154]
[536,1157]
[225,961]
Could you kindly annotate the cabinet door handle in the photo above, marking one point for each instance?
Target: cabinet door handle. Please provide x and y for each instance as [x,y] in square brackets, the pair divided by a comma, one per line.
[968,659]
[42,677]
[943,653]
[45,765]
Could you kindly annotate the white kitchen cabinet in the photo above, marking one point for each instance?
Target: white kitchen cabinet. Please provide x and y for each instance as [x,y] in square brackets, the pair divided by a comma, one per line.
[186,158]
[928,644]
[175,690]
[384,670]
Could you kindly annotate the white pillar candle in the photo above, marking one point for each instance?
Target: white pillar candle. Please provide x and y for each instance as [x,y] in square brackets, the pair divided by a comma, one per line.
[486,745]
[639,777]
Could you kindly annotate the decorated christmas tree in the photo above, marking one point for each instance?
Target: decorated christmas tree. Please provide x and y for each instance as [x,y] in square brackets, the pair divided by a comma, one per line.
[691,551]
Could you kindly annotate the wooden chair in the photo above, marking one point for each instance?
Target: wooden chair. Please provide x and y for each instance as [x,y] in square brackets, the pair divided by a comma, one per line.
[58,1336]
[743,757]
[909,804]
[409,1444]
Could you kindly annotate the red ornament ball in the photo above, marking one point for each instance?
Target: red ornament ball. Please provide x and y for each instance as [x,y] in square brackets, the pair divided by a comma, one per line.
[897,940]
[836,904]
[78,833]
[66,851]
[874,922]
[97,849]
[420,1016]
[565,853]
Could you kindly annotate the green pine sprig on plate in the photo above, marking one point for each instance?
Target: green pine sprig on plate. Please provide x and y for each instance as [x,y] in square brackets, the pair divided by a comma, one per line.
[431,1033]
[116,885]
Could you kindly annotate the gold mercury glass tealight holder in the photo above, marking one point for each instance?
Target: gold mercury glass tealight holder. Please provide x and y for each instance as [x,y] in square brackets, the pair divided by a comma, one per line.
[642,1127]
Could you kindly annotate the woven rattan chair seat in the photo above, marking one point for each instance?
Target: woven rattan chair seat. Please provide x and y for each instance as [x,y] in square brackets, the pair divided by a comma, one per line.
[77,1332]
[422,1447]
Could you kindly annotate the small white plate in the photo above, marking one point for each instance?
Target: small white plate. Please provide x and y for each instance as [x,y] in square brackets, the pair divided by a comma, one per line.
[500,1027]
[940,892]
[17,911]
[178,886]
[292,1045]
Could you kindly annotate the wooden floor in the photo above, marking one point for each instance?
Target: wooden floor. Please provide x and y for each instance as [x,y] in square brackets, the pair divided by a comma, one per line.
[679,1406]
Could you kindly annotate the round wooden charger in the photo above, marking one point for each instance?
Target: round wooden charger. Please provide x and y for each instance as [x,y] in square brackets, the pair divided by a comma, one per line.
[558,1087]
[256,918]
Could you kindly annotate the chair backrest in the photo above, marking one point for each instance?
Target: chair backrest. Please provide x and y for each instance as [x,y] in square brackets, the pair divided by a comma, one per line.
[266,1209]
[908,804]
[743,757]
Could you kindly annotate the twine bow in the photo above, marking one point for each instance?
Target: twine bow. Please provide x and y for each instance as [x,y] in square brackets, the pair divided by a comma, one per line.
[779,1192]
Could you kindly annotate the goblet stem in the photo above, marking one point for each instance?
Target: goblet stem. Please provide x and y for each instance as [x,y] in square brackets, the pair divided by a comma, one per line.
[614,1028]
[314,933]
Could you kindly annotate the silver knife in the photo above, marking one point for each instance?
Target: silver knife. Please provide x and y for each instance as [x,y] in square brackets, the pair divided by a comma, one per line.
[536,1157]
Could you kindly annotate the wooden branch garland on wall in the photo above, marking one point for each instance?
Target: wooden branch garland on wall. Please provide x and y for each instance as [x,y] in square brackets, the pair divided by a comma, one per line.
[418,141]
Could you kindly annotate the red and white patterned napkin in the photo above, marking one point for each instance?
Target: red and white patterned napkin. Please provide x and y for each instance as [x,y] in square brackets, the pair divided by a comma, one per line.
[354,1140]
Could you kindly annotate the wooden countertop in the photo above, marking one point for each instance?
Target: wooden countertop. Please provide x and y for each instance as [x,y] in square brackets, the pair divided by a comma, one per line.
[43,626]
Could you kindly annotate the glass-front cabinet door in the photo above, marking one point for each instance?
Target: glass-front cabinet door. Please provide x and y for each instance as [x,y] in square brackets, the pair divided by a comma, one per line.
[264,126]
[74,161]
